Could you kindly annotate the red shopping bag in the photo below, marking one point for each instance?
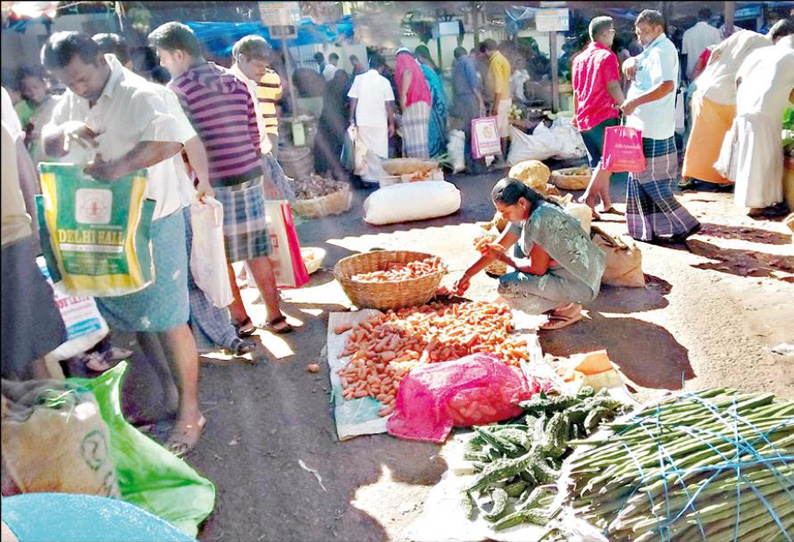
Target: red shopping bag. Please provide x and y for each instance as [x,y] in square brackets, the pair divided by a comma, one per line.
[623,150]
[288,264]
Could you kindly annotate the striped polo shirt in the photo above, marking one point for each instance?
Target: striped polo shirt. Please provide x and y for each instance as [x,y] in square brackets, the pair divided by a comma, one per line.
[221,110]
[268,91]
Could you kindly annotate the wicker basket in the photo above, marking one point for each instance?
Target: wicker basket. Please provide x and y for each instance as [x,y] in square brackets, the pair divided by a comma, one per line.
[333,204]
[386,295]
[561,179]
[400,166]
[497,268]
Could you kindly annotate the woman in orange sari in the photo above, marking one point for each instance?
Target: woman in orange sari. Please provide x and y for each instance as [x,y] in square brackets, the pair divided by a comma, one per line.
[714,105]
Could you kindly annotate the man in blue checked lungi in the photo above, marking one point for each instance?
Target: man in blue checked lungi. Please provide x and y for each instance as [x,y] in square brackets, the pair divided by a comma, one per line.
[652,212]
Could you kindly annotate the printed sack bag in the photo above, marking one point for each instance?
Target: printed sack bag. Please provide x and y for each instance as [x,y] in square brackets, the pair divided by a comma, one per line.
[85,326]
[485,137]
[288,265]
[97,234]
[623,150]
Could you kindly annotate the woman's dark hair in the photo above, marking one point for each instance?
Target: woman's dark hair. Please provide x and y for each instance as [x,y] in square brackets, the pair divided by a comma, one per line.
[62,47]
[509,191]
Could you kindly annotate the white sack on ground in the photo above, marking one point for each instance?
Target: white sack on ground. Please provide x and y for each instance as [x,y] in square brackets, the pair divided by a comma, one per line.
[411,201]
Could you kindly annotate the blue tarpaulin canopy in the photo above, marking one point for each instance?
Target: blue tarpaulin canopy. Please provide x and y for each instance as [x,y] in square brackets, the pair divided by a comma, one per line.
[219,37]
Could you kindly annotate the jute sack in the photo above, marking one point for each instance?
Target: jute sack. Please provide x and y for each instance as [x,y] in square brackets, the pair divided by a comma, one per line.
[54,439]
[623,260]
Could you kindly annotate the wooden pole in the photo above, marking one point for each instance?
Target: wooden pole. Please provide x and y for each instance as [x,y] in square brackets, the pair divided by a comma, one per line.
[290,72]
[730,8]
[555,76]
[438,45]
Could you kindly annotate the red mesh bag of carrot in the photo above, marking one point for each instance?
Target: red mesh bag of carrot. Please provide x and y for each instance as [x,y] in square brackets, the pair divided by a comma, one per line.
[475,390]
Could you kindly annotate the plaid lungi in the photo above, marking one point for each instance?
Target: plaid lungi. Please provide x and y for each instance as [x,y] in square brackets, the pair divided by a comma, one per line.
[416,128]
[244,225]
[651,209]
[211,326]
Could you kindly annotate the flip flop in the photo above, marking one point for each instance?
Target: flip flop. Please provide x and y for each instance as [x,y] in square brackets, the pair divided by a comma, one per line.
[613,211]
[246,328]
[98,362]
[184,437]
[273,326]
[559,322]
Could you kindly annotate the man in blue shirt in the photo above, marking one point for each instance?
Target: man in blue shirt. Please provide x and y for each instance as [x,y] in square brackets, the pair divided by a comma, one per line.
[469,104]
[652,212]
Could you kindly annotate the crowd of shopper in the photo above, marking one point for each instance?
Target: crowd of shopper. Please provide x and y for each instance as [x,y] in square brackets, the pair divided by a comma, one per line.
[213,131]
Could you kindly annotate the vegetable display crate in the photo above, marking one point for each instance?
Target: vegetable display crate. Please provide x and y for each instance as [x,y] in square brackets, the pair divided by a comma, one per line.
[333,204]
[572,178]
[386,295]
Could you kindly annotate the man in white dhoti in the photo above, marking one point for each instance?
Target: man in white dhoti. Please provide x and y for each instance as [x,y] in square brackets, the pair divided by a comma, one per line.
[765,88]
[372,108]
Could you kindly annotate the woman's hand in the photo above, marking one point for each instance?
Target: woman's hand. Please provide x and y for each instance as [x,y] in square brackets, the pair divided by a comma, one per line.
[493,250]
[462,285]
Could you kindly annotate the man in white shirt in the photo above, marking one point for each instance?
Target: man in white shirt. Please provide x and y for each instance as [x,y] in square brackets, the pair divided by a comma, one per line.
[116,123]
[331,67]
[697,39]
[764,89]
[372,108]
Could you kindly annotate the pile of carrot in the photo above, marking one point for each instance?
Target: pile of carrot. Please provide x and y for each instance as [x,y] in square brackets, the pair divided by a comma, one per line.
[396,272]
[386,347]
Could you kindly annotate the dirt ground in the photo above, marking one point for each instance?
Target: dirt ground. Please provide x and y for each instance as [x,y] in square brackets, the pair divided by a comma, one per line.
[708,317]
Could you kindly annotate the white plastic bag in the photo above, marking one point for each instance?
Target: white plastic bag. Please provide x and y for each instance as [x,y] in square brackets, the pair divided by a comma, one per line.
[411,201]
[456,147]
[85,326]
[288,265]
[359,151]
[569,138]
[727,163]
[542,144]
[207,254]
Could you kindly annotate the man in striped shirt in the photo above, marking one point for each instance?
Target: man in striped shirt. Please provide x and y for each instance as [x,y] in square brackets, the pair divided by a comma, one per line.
[221,110]
[268,92]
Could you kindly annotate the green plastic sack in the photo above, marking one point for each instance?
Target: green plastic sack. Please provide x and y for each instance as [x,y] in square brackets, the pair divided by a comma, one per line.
[149,476]
[97,234]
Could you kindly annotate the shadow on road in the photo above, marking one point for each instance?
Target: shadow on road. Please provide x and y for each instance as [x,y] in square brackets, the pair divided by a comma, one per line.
[744,233]
[741,262]
[613,299]
[646,353]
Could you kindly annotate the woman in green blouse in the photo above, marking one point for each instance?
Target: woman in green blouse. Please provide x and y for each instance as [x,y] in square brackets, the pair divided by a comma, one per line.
[564,266]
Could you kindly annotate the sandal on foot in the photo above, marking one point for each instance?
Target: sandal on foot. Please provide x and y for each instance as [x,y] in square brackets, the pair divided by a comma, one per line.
[241,347]
[246,328]
[185,436]
[97,362]
[613,211]
[279,325]
[559,322]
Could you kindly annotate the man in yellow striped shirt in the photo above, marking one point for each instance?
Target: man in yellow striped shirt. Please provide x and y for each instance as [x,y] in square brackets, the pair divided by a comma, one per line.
[269,91]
